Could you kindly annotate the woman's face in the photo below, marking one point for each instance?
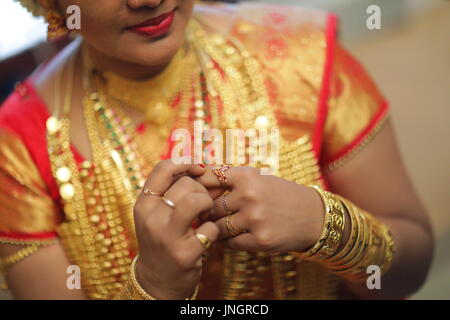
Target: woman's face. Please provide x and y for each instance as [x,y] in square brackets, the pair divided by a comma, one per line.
[143,32]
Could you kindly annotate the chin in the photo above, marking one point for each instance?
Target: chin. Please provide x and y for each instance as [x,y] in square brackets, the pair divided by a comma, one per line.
[156,52]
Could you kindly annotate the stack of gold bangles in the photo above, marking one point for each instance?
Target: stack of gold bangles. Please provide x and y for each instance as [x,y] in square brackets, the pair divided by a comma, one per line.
[369,243]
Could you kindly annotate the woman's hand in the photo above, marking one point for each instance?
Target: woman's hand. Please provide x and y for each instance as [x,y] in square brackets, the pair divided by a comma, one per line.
[170,254]
[277,215]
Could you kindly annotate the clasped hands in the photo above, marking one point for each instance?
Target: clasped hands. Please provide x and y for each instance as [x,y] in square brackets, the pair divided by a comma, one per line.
[257,212]
[253,213]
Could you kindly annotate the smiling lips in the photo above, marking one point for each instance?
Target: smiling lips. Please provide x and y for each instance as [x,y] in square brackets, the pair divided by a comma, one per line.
[156,27]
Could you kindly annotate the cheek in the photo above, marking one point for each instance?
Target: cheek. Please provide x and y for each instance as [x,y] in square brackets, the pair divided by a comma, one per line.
[101,25]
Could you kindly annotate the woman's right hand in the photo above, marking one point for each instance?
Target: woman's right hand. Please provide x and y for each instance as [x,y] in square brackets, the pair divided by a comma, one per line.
[170,254]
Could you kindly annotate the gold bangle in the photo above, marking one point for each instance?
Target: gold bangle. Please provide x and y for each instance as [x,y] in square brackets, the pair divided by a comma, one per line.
[324,234]
[373,245]
[134,291]
[357,247]
[353,238]
[334,227]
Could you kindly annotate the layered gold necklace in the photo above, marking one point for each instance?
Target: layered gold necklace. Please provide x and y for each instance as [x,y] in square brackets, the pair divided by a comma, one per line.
[221,85]
[155,98]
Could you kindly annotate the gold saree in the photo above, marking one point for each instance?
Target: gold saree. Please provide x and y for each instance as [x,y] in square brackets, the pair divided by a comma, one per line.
[323,102]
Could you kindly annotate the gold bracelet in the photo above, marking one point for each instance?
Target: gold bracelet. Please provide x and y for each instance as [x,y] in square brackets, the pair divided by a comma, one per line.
[373,245]
[134,291]
[353,238]
[8,261]
[334,226]
[358,247]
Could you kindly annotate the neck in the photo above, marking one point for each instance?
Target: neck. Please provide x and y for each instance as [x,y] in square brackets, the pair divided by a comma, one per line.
[124,68]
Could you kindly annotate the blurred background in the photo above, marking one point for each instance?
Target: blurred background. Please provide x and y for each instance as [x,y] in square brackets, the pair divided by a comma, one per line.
[409,58]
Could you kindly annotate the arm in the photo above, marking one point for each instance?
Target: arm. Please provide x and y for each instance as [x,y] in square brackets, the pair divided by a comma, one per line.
[376,180]
[40,276]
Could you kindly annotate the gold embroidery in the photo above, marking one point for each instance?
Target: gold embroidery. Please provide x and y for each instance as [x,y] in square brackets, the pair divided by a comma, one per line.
[353,104]
[359,147]
[26,206]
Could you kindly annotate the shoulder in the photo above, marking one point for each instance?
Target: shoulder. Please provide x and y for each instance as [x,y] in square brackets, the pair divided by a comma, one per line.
[23,111]
[27,109]
[265,20]
[23,119]
[286,39]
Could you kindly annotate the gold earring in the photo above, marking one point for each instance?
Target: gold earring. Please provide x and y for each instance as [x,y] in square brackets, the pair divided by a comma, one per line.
[56,25]
[55,20]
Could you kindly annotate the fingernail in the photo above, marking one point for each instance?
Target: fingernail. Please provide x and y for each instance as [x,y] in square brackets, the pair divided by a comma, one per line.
[202,165]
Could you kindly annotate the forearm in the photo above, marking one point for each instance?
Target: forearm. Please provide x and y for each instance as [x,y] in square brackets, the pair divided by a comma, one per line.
[353,239]
[412,259]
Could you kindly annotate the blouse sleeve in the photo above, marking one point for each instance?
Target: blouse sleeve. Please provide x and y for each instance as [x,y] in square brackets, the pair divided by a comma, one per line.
[27,211]
[356,110]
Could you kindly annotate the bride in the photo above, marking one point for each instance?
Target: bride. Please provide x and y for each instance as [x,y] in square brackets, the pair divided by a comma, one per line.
[87,179]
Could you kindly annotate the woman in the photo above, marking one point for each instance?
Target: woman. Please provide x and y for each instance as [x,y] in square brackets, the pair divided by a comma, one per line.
[83,184]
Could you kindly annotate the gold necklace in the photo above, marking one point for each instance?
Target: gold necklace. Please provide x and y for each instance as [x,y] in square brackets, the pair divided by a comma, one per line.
[99,232]
[154,97]
[246,104]
[236,86]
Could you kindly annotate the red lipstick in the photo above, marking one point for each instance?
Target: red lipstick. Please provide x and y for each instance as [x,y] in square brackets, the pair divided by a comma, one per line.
[156,27]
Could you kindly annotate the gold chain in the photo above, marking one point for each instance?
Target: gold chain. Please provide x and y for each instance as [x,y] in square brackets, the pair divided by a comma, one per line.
[231,77]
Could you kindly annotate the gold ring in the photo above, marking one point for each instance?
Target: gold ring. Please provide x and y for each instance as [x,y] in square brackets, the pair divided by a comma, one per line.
[225,204]
[168,202]
[203,240]
[231,230]
[148,192]
[220,174]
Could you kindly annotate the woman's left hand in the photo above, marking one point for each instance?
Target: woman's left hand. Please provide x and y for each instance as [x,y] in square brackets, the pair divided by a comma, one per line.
[277,215]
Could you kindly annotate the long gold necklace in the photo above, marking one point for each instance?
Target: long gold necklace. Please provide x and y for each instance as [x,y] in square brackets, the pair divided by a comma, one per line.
[245,104]
[232,80]
[99,232]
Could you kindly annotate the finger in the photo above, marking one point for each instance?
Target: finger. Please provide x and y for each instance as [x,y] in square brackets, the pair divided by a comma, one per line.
[214,193]
[234,175]
[183,186]
[245,242]
[237,222]
[165,204]
[210,231]
[189,208]
[226,204]
[166,172]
